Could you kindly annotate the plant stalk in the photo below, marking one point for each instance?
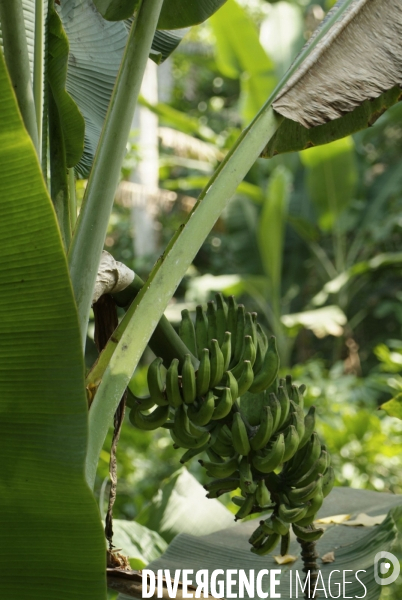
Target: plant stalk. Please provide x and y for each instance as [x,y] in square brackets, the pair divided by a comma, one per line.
[58,173]
[17,60]
[167,273]
[90,232]
[38,79]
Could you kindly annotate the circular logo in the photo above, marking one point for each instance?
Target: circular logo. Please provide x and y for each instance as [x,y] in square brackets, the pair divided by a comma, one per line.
[382,567]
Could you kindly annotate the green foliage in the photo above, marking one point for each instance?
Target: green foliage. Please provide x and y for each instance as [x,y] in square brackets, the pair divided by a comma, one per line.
[246,60]
[46,504]
[331,178]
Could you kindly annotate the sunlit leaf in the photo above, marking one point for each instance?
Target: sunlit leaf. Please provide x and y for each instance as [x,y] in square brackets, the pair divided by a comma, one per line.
[393,407]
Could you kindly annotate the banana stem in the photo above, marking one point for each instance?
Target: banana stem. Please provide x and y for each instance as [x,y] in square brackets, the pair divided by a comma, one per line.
[309,557]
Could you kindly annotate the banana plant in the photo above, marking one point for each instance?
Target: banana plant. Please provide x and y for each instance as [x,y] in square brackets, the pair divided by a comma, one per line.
[70,80]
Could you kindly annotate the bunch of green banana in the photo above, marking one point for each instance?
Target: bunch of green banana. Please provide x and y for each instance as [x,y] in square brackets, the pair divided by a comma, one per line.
[224,399]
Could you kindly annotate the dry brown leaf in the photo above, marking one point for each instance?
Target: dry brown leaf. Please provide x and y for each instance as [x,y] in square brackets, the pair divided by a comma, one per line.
[329,557]
[285,560]
[336,519]
[363,520]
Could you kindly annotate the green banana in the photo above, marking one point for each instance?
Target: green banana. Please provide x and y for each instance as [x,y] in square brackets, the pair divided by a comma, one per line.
[222,449]
[221,315]
[269,544]
[302,389]
[141,403]
[315,505]
[203,373]
[284,402]
[201,329]
[237,500]
[262,494]
[225,435]
[240,439]
[291,442]
[217,487]
[262,338]
[269,369]
[249,353]
[231,382]
[307,534]
[172,384]
[261,438]
[318,468]
[303,494]
[291,514]
[181,434]
[246,378]
[297,418]
[278,525]
[156,385]
[257,536]
[240,324]
[328,481]
[285,543]
[220,469]
[203,414]
[193,452]
[211,316]
[309,426]
[296,396]
[259,357]
[304,459]
[272,457]
[188,380]
[224,405]
[246,507]
[152,421]
[226,349]
[217,363]
[231,320]
[187,332]
[250,328]
[276,411]
[247,484]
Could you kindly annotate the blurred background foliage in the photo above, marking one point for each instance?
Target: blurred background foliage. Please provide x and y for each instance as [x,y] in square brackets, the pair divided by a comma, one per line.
[311,241]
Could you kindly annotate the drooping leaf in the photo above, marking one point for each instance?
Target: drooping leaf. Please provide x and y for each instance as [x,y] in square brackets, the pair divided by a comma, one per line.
[176,14]
[359,59]
[393,407]
[138,543]
[181,507]
[351,77]
[71,121]
[331,178]
[49,517]
[354,547]
[239,54]
[292,137]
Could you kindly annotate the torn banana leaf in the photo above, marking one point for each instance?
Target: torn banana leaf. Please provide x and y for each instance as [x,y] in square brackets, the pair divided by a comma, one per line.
[353,74]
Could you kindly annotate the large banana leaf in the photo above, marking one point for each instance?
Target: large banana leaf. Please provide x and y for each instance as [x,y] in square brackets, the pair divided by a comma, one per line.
[352,76]
[354,547]
[96,50]
[49,520]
